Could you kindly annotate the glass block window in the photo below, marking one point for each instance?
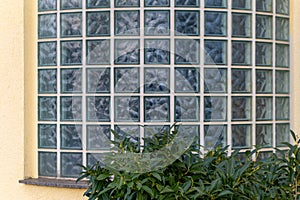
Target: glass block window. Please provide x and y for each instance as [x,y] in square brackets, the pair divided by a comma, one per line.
[219,69]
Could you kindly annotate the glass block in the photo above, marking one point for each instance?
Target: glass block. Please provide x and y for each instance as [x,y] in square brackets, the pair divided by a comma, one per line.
[71,80]
[187,109]
[282,82]
[98,137]
[187,3]
[98,24]
[127,51]
[187,51]
[47,54]
[127,80]
[263,54]
[93,158]
[187,23]
[264,135]
[264,81]
[157,109]
[47,26]
[241,136]
[131,132]
[71,108]
[157,22]
[47,109]
[47,81]
[127,109]
[282,7]
[263,26]
[71,53]
[190,133]
[215,52]
[241,53]
[264,5]
[70,4]
[241,4]
[264,108]
[98,52]
[282,108]
[127,3]
[47,136]
[157,80]
[98,3]
[98,80]
[71,25]
[127,22]
[98,109]
[70,164]
[241,108]
[282,28]
[215,108]
[157,3]
[151,130]
[187,80]
[263,155]
[214,136]
[215,23]
[157,51]
[282,55]
[282,134]
[215,3]
[215,80]
[47,164]
[71,136]
[241,81]
[241,25]
[45,5]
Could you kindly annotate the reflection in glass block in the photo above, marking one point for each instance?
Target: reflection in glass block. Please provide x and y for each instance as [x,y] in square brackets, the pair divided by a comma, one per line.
[263,26]
[282,28]
[47,164]
[187,109]
[157,3]
[47,136]
[215,108]
[98,3]
[215,80]
[47,109]
[98,109]
[157,109]
[215,52]
[241,4]
[282,134]
[154,130]
[127,3]
[71,25]
[187,3]
[127,79]
[241,81]
[241,53]
[93,158]
[282,6]
[187,22]
[47,54]
[282,82]
[190,133]
[215,23]
[263,55]
[70,4]
[71,80]
[263,81]
[127,22]
[71,136]
[98,137]
[264,5]
[127,51]
[98,52]
[70,164]
[157,51]
[98,80]
[264,135]
[47,81]
[187,80]
[264,107]
[282,55]
[127,109]
[71,108]
[215,3]
[71,53]
[47,26]
[215,135]
[241,25]
[241,136]
[45,5]
[157,80]
[241,108]
[157,23]
[98,23]
[187,51]
[282,108]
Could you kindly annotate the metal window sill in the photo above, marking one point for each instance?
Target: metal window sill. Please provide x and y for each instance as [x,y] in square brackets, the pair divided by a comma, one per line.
[60,183]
